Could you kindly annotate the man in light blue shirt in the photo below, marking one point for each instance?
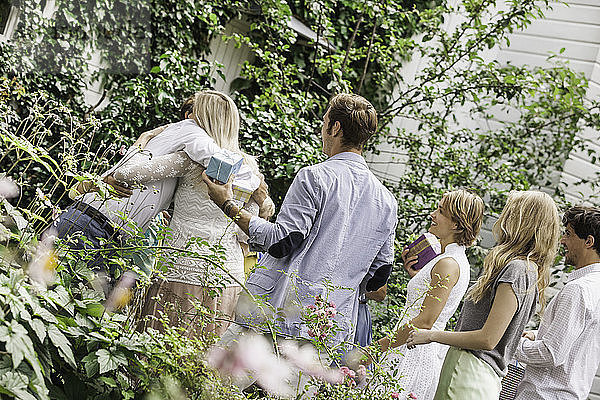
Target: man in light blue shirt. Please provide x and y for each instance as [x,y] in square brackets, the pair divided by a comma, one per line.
[335,227]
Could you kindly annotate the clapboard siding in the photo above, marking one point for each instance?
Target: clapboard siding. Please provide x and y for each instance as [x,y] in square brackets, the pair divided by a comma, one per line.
[572,30]
[226,52]
[583,14]
[577,29]
[538,60]
[543,45]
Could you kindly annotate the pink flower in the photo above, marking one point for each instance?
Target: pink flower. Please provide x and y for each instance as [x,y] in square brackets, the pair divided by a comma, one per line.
[348,372]
[306,359]
[122,150]
[361,371]
[252,357]
[311,307]
[411,395]
[331,312]
[395,395]
[331,304]
[311,333]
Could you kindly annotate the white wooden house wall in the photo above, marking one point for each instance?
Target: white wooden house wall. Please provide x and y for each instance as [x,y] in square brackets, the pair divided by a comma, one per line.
[223,51]
[226,52]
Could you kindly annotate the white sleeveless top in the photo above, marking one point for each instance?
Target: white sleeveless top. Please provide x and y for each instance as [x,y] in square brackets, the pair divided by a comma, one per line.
[421,366]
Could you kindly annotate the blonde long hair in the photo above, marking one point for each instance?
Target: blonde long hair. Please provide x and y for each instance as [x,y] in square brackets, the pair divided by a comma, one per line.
[528,229]
[217,114]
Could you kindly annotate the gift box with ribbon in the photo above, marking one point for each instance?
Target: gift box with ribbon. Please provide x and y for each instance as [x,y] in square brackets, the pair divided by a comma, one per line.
[241,194]
[224,164]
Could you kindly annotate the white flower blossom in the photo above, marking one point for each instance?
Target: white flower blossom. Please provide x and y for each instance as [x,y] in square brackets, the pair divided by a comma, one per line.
[8,188]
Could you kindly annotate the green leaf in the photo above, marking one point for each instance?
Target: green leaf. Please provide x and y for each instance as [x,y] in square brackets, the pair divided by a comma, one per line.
[15,383]
[155,69]
[44,314]
[62,298]
[94,309]
[39,328]
[109,381]
[110,361]
[62,344]
[17,342]
[91,364]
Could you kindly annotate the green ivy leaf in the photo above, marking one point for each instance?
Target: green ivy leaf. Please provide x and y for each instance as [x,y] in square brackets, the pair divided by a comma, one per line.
[39,328]
[94,309]
[109,381]
[62,344]
[110,361]
[91,364]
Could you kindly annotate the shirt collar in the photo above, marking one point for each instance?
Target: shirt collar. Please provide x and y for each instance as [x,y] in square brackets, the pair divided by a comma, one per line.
[581,272]
[350,156]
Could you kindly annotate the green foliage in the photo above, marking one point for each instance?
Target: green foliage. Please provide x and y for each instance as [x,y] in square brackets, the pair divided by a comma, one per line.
[59,341]
[463,120]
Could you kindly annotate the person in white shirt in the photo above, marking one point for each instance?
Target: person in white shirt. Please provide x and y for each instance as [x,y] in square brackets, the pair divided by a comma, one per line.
[563,356]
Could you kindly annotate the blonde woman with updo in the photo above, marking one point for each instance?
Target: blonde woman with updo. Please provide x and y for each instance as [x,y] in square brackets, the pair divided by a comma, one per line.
[434,292]
[501,302]
[198,224]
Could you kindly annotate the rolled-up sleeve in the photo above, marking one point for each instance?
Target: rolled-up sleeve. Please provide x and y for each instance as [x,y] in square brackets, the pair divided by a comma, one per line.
[554,343]
[294,221]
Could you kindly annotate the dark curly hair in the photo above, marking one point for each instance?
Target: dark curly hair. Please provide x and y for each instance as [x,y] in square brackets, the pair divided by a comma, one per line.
[585,222]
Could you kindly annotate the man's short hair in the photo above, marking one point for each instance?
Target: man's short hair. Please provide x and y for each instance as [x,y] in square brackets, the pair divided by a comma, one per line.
[186,107]
[585,222]
[357,118]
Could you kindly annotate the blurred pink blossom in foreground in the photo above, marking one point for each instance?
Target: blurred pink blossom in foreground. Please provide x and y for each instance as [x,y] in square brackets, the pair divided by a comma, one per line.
[306,359]
[8,188]
[42,268]
[122,293]
[251,357]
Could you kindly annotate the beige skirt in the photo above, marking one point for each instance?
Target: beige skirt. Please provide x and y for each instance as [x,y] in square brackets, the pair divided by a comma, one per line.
[197,310]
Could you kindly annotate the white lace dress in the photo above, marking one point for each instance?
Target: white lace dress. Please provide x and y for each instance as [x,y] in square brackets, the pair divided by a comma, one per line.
[197,223]
[421,366]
